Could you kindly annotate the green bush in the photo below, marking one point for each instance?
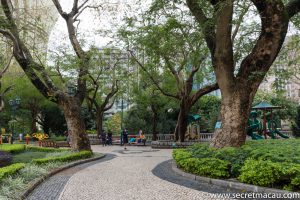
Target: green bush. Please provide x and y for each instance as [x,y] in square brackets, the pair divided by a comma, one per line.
[234,156]
[10,170]
[180,155]
[210,167]
[12,148]
[46,149]
[273,163]
[201,151]
[261,172]
[65,158]
[58,138]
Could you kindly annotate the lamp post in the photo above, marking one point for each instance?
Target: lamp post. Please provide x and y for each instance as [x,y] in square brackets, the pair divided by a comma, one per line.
[14,103]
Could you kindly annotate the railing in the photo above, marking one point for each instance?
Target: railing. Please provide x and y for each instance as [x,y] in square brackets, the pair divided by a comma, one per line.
[288,133]
[203,137]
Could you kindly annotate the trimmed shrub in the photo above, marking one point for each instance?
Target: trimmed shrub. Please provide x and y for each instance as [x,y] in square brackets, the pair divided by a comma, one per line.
[5,158]
[201,150]
[65,158]
[46,149]
[180,155]
[210,167]
[12,148]
[261,172]
[234,156]
[11,169]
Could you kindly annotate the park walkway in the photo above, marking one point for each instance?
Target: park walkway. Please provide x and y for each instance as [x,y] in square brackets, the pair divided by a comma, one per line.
[137,173]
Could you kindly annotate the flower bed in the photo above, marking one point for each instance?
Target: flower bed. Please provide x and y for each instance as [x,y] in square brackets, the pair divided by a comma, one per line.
[36,162]
[269,163]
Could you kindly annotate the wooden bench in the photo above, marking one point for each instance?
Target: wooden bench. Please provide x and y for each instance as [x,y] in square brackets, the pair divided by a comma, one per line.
[54,144]
[49,143]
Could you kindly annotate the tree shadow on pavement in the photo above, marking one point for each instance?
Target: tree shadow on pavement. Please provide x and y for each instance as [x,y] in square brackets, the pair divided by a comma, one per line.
[165,172]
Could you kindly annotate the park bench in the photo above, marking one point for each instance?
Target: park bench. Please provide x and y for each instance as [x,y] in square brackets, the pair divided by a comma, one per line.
[117,140]
[54,144]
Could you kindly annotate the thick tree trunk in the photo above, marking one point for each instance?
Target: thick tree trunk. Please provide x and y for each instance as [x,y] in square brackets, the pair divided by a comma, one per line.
[72,109]
[154,123]
[182,121]
[99,121]
[235,109]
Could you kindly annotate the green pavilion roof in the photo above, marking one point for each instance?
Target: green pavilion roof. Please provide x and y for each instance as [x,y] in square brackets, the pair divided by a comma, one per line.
[193,118]
[264,105]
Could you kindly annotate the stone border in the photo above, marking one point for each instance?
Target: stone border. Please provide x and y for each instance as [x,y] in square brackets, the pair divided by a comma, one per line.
[33,184]
[227,183]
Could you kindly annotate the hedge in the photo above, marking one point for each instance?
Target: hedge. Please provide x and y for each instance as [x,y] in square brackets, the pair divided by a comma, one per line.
[271,163]
[210,167]
[271,174]
[46,149]
[12,148]
[11,169]
[66,158]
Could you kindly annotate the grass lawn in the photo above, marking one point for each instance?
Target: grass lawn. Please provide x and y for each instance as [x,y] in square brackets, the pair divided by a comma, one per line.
[27,156]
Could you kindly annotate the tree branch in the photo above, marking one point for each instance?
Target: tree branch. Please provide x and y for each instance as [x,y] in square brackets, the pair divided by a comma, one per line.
[206,23]
[269,43]
[113,91]
[293,8]
[152,78]
[203,91]
[23,56]
[6,66]
[239,22]
[110,105]
[59,9]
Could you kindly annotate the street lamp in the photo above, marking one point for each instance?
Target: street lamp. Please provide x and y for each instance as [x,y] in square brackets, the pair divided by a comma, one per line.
[14,103]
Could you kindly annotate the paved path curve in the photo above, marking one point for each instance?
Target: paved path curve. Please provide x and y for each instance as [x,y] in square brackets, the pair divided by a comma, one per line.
[137,173]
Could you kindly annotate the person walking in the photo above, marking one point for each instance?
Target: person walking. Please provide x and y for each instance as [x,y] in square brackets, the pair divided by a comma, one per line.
[125,138]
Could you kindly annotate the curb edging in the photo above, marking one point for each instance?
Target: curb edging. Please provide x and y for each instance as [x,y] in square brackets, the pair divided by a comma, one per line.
[33,184]
[227,184]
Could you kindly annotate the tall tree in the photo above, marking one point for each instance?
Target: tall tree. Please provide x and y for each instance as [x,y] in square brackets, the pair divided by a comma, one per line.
[38,75]
[177,56]
[2,71]
[105,74]
[239,85]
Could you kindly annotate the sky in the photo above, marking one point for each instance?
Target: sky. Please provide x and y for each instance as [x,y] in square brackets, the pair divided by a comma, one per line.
[95,24]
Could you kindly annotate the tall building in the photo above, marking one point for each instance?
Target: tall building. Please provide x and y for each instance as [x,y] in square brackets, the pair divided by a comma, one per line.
[283,73]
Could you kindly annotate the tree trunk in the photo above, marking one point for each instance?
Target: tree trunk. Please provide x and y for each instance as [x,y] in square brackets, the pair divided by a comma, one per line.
[154,123]
[99,119]
[182,121]
[72,112]
[34,114]
[235,109]
[33,126]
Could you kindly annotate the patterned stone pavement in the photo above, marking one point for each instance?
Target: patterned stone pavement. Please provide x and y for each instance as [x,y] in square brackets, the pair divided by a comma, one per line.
[137,173]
